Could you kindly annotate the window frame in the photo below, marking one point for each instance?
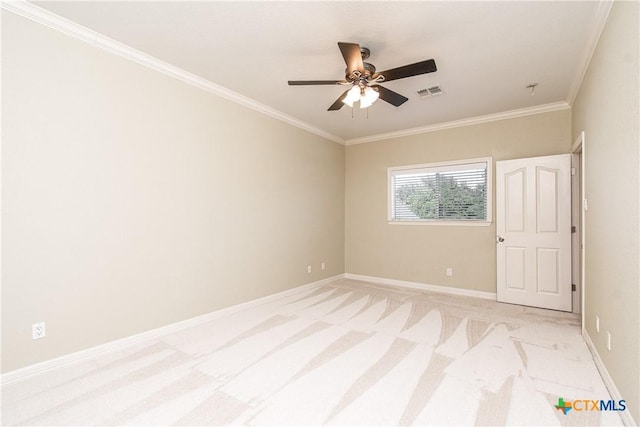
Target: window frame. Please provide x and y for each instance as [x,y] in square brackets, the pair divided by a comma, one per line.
[440,222]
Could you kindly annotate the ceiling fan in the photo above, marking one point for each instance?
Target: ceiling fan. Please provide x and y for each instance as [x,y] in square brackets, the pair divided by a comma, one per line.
[364,80]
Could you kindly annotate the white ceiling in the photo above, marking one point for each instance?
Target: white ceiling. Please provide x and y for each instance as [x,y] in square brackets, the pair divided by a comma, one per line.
[486,52]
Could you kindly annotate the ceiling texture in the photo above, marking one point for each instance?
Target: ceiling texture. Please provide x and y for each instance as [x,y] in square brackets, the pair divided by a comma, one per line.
[487,53]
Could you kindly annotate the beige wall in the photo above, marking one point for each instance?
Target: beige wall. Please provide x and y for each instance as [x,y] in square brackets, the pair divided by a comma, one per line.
[421,253]
[606,108]
[131,200]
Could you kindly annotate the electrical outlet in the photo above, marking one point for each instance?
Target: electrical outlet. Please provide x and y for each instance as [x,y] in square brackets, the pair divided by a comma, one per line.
[608,341]
[597,324]
[38,330]
[449,271]
[308,269]
[322,266]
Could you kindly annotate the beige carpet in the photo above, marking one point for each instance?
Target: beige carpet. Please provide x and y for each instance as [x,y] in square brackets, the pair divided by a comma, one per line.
[348,353]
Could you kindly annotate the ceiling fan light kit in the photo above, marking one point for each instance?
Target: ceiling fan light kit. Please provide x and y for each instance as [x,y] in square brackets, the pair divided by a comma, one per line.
[364,94]
[364,80]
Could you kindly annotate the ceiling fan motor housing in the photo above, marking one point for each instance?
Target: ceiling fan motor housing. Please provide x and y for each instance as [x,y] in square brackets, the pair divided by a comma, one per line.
[369,69]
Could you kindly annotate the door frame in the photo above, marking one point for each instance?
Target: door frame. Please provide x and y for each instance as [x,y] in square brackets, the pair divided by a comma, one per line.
[576,236]
[578,149]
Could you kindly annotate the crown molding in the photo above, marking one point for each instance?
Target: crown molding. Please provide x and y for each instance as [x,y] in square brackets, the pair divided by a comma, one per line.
[556,106]
[63,25]
[597,26]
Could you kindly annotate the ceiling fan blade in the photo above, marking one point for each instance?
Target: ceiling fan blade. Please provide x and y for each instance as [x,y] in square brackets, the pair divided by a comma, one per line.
[424,67]
[316,82]
[338,104]
[352,56]
[393,98]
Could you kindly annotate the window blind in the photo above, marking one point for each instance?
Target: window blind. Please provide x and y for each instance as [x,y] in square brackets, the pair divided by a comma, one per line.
[456,192]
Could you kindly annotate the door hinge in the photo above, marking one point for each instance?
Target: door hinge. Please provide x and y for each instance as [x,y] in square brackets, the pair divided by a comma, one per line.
[573,228]
[573,171]
[573,287]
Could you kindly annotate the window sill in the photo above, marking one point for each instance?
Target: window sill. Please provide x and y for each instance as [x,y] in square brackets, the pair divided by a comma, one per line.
[445,223]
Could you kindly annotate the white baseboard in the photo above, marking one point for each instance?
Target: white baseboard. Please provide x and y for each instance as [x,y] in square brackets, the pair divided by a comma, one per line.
[82,355]
[423,286]
[627,419]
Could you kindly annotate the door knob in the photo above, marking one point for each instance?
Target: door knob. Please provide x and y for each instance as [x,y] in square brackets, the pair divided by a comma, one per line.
[500,239]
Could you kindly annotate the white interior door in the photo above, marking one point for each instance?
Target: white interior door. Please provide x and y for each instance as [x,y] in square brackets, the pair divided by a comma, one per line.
[533,224]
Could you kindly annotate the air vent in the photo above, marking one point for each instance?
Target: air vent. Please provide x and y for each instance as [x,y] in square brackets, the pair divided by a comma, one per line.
[430,91]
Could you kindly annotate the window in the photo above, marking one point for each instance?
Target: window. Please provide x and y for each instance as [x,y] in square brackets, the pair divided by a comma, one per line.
[451,193]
